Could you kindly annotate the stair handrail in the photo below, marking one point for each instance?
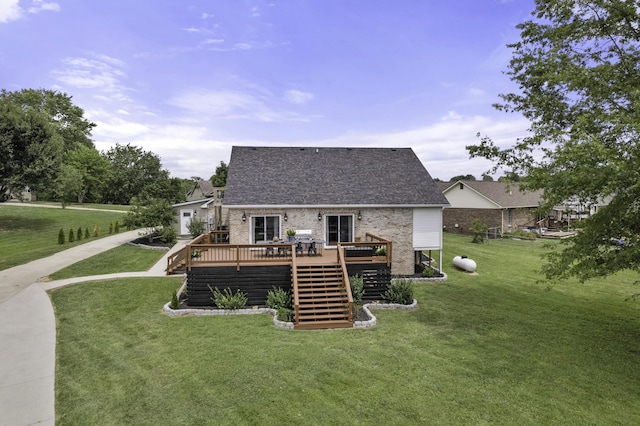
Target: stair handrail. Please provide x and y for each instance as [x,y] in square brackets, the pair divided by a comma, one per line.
[345,280]
[174,260]
[294,284]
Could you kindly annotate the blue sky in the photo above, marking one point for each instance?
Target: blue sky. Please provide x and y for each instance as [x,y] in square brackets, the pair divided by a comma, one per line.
[188,79]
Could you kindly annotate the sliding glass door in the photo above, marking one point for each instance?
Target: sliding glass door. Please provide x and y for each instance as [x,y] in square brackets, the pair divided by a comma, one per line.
[265,228]
[338,229]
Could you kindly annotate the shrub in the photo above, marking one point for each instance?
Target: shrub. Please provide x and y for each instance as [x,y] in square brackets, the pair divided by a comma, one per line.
[400,291]
[428,271]
[174,301]
[168,235]
[110,228]
[285,314]
[79,234]
[279,298]
[72,236]
[117,228]
[86,233]
[357,288]
[195,227]
[96,230]
[479,231]
[228,300]
[381,251]
[61,236]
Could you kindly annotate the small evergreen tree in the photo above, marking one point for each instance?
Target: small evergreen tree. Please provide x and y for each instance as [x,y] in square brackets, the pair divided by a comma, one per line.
[110,228]
[61,236]
[79,234]
[117,228]
[96,230]
[86,233]
[72,236]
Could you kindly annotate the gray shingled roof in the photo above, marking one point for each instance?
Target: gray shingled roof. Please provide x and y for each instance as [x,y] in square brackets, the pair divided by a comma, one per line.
[505,195]
[328,176]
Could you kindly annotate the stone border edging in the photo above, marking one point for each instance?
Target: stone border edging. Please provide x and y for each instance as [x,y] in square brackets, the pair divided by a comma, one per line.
[373,320]
[218,312]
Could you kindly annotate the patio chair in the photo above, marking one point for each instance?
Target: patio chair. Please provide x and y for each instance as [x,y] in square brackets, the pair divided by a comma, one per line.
[312,249]
[299,249]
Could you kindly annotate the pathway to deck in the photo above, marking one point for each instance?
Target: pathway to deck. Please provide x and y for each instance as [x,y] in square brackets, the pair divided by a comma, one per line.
[28,329]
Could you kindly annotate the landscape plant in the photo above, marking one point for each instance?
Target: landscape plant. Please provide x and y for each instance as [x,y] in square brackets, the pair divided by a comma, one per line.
[279,298]
[196,227]
[72,236]
[79,233]
[61,236]
[479,231]
[357,288]
[400,291]
[226,299]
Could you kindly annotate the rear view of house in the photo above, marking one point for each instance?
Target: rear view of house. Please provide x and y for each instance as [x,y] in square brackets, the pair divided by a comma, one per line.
[306,219]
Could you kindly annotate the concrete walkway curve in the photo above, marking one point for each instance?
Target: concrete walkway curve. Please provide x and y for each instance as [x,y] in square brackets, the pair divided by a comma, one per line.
[28,329]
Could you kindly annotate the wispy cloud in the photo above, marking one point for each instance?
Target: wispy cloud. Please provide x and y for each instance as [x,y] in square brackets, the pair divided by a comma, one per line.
[10,10]
[229,104]
[298,97]
[39,6]
[99,72]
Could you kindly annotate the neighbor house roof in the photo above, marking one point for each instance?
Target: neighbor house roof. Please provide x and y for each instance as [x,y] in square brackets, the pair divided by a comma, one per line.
[277,176]
[503,194]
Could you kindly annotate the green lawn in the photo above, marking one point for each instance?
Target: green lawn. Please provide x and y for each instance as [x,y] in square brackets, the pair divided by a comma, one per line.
[29,233]
[125,258]
[492,348]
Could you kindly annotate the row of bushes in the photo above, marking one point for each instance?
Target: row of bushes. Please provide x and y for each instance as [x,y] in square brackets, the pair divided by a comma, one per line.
[400,291]
[78,235]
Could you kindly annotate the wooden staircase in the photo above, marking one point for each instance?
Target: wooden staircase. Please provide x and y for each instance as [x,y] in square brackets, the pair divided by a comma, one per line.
[322,297]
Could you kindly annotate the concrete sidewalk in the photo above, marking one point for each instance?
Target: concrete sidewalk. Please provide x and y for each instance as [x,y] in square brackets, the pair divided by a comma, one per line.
[28,329]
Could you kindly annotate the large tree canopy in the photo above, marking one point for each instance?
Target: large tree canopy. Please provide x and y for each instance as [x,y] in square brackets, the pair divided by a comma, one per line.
[578,70]
[67,118]
[138,173]
[30,148]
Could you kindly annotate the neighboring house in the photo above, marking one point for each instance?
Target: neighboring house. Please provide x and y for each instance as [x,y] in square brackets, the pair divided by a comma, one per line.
[499,205]
[339,194]
[203,203]
[200,190]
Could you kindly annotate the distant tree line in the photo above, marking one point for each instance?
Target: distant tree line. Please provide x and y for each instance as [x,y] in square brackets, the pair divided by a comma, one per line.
[46,145]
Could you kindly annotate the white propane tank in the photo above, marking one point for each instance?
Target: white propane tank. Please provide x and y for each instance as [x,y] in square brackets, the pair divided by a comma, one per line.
[464,263]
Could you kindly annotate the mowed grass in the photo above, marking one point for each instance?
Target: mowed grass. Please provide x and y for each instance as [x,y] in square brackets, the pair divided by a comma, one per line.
[29,233]
[493,348]
[125,258]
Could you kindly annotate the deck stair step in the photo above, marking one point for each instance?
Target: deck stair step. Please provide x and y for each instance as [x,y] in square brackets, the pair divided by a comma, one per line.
[323,301]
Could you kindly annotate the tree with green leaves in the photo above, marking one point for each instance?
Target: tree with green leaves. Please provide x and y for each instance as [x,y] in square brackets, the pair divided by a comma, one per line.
[154,215]
[134,173]
[578,73]
[93,170]
[30,148]
[68,184]
[219,178]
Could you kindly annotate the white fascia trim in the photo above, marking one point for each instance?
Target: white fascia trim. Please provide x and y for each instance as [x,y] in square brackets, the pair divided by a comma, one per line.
[188,203]
[335,206]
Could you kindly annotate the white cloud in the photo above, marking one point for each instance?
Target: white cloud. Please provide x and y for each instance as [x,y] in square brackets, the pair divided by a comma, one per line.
[99,72]
[298,97]
[10,10]
[39,5]
[228,104]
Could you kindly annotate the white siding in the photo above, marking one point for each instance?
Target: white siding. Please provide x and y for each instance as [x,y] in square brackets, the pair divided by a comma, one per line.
[468,198]
[427,228]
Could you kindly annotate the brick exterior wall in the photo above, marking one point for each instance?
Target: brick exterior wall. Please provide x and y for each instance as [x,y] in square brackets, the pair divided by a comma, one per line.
[521,218]
[394,224]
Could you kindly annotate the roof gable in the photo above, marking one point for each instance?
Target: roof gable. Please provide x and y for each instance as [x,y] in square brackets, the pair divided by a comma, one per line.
[328,176]
[501,194]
